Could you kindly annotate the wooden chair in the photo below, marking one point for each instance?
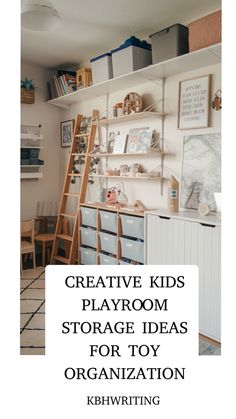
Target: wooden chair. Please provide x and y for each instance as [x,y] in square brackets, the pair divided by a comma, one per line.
[27,246]
[46,241]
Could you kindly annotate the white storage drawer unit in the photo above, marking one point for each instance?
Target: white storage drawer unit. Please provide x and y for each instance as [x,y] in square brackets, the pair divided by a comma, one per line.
[89,216]
[88,256]
[88,237]
[132,249]
[108,221]
[109,242]
[189,239]
[132,226]
[107,259]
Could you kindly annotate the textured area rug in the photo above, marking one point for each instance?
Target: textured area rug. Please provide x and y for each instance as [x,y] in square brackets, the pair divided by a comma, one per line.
[206,348]
[32,317]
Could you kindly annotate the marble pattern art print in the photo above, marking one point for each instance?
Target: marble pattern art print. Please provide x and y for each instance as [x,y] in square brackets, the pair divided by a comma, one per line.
[201,170]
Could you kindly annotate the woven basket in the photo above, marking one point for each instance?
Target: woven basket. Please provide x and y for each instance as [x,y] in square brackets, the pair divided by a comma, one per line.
[205,31]
[27,95]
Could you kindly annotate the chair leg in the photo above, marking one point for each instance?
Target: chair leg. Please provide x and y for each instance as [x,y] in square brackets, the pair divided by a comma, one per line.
[21,264]
[34,262]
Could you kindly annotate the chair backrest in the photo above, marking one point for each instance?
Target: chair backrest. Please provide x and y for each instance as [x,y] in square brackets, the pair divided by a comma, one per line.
[27,229]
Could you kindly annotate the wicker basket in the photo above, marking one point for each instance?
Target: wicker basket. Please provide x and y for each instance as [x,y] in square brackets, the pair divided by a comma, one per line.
[27,95]
[205,31]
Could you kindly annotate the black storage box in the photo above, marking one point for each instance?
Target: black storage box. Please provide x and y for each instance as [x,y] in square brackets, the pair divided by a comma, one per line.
[169,43]
[34,153]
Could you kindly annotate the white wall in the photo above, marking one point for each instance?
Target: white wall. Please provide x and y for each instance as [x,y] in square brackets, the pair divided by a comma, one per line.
[48,188]
[147,191]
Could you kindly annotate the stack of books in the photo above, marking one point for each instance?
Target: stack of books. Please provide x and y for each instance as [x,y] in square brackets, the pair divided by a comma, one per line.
[62,83]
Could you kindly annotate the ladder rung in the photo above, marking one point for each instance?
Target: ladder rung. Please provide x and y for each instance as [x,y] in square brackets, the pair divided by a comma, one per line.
[78,154]
[75,195]
[74,174]
[82,135]
[68,215]
[61,259]
[65,237]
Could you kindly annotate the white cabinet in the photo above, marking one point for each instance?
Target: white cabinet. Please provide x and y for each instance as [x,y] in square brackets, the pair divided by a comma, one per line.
[202,248]
[165,241]
[181,240]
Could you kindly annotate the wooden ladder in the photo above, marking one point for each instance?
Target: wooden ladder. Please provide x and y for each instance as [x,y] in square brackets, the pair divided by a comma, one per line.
[71,241]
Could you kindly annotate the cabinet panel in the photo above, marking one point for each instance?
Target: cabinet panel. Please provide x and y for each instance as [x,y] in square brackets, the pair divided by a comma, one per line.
[165,241]
[202,248]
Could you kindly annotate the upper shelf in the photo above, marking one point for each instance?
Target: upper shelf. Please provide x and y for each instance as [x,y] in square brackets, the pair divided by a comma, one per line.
[187,62]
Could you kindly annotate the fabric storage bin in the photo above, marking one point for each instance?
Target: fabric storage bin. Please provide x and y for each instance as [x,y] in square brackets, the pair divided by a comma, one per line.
[132,249]
[107,259]
[169,43]
[131,56]
[88,256]
[124,262]
[88,237]
[108,221]
[205,31]
[34,153]
[101,68]
[24,162]
[89,216]
[132,226]
[108,242]
[24,153]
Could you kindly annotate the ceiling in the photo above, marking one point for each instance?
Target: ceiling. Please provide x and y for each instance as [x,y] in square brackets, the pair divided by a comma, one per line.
[92,27]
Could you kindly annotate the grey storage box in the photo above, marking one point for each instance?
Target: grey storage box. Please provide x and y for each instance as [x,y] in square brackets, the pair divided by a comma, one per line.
[108,242]
[132,226]
[108,221]
[88,237]
[130,56]
[88,256]
[101,68]
[169,43]
[132,249]
[123,262]
[107,259]
[89,216]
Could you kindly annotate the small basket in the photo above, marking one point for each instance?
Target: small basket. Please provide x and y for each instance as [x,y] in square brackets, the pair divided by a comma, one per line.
[27,95]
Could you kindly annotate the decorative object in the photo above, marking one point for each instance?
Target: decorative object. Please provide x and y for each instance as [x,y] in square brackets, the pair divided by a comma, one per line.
[132,102]
[124,169]
[201,171]
[119,143]
[121,198]
[111,142]
[139,140]
[134,169]
[203,209]
[216,104]
[173,194]
[67,128]
[27,91]
[39,17]
[111,195]
[83,78]
[194,103]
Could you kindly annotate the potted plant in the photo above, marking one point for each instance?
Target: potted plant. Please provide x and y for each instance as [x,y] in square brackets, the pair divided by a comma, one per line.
[27,91]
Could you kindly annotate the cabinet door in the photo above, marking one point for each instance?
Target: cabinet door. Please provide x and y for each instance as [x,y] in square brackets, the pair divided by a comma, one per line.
[202,248]
[164,240]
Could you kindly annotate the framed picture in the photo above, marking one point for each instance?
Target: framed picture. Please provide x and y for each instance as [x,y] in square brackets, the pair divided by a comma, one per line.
[139,140]
[194,103]
[119,143]
[67,128]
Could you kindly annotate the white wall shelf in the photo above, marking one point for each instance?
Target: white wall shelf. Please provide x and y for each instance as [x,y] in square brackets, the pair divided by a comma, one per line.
[29,146]
[153,178]
[184,63]
[27,175]
[151,154]
[130,117]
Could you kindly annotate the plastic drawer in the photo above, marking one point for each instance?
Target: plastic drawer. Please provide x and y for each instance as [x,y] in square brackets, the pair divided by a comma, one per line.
[132,226]
[107,259]
[88,237]
[89,216]
[169,43]
[108,221]
[123,262]
[108,242]
[132,249]
[88,256]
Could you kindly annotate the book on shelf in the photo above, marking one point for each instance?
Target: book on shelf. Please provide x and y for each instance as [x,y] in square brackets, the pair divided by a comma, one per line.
[61,85]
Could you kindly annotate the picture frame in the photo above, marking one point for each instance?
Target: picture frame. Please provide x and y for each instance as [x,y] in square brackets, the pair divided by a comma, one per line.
[67,129]
[120,144]
[194,103]
[139,140]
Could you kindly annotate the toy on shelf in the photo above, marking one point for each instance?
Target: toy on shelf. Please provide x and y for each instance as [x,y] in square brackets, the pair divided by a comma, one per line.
[132,103]
[83,78]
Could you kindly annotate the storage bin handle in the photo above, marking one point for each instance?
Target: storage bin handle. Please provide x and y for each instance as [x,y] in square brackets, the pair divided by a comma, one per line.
[163,32]
[207,225]
[165,218]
